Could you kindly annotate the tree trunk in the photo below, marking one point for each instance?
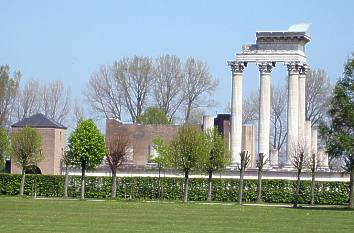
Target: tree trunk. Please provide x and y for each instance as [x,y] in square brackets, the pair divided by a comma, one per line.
[159,182]
[186,180]
[66,182]
[83,167]
[188,112]
[240,193]
[210,184]
[297,190]
[312,188]
[22,186]
[351,189]
[114,184]
[259,185]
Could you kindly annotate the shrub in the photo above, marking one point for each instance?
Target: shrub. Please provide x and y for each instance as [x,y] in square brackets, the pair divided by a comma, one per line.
[146,188]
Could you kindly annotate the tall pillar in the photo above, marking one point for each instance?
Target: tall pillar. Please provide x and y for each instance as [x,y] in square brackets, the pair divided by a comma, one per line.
[264,109]
[293,108]
[302,96]
[236,111]
[208,123]
[314,141]
[307,137]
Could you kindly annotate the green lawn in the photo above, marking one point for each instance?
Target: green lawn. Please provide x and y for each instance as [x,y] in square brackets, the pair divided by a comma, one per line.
[28,215]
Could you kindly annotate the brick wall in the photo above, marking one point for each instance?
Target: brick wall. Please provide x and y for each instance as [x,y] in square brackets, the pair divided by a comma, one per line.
[140,137]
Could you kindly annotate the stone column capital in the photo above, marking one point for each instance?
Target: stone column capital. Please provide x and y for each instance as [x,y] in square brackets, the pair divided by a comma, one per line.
[293,67]
[265,67]
[303,69]
[236,67]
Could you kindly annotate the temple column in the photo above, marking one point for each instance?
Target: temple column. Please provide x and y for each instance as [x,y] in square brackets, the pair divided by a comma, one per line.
[302,96]
[264,109]
[236,111]
[314,141]
[293,108]
[307,137]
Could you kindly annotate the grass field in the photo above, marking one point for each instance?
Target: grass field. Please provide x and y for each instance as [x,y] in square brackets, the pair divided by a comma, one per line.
[29,215]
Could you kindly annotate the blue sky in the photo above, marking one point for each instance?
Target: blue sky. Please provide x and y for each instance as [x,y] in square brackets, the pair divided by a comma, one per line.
[68,40]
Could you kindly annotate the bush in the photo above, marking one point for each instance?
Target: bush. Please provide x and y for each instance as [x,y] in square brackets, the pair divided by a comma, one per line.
[146,188]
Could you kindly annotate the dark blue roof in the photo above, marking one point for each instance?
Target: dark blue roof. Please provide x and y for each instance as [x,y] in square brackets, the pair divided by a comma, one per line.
[38,121]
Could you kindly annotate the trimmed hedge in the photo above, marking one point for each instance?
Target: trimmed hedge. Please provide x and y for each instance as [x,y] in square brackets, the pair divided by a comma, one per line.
[130,188]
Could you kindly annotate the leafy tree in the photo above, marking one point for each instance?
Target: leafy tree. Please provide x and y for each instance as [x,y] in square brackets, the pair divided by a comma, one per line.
[117,154]
[339,133]
[219,157]
[26,150]
[87,148]
[187,151]
[4,142]
[153,115]
[159,160]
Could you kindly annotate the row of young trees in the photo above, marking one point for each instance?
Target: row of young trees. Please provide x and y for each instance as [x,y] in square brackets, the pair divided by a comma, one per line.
[190,150]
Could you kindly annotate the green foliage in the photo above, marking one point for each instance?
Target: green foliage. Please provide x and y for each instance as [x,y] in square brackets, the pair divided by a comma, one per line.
[219,156]
[146,188]
[26,147]
[86,145]
[339,134]
[4,142]
[153,116]
[188,150]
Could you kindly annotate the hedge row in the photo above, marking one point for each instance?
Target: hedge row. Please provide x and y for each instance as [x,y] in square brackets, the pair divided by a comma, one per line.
[147,188]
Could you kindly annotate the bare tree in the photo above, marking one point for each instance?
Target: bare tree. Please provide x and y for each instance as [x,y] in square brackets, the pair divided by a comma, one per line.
[318,95]
[299,158]
[250,108]
[278,105]
[244,163]
[117,154]
[261,161]
[78,110]
[56,101]
[167,84]
[134,77]
[8,91]
[197,85]
[28,101]
[314,164]
[104,94]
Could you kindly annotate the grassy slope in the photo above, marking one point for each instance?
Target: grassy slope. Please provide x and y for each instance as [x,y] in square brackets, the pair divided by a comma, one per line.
[28,215]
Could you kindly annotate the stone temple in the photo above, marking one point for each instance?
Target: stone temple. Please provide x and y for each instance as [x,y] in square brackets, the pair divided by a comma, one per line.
[271,48]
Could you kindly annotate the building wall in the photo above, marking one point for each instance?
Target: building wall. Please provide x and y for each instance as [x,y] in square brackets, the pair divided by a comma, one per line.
[140,137]
[249,142]
[52,145]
